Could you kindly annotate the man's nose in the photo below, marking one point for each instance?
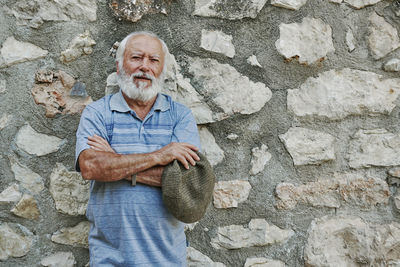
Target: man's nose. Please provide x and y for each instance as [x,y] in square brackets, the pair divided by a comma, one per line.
[144,65]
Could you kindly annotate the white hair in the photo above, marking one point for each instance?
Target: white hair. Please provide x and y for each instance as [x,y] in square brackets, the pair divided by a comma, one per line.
[119,56]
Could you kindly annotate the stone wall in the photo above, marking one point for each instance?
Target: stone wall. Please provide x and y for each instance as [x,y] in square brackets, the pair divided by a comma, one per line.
[297,106]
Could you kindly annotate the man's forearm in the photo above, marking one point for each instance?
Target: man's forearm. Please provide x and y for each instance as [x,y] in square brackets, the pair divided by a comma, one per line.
[108,166]
[151,176]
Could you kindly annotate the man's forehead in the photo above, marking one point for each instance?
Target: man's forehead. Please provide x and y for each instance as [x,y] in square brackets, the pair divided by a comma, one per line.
[144,44]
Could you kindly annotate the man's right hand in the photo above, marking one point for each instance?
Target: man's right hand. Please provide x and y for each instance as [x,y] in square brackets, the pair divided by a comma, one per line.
[185,153]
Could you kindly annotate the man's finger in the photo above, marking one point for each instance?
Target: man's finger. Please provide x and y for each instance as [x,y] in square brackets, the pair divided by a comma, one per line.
[183,160]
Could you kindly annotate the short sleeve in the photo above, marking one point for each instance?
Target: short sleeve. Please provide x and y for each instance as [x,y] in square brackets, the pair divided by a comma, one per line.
[91,123]
[185,129]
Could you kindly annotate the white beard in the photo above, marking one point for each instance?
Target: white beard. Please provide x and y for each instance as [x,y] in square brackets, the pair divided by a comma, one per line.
[140,92]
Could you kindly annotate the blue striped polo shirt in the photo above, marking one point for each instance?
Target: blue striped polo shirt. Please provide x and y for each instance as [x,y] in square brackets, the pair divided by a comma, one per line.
[130,225]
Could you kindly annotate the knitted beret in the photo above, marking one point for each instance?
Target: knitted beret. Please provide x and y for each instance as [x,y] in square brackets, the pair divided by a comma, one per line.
[188,192]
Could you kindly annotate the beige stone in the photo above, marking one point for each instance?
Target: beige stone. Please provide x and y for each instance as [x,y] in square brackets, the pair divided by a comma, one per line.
[350,40]
[212,151]
[376,147]
[217,41]
[59,259]
[252,60]
[29,179]
[348,92]
[260,157]
[4,120]
[79,46]
[258,233]
[361,3]
[308,146]
[343,189]
[197,259]
[14,52]
[10,194]
[56,96]
[228,194]
[351,241]
[310,41]
[395,172]
[3,87]
[396,199]
[12,243]
[134,10]
[383,37]
[289,4]
[76,236]
[240,9]
[392,65]
[69,191]
[27,208]
[263,262]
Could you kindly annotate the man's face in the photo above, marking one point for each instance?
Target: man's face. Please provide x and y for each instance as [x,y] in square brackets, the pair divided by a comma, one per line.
[143,54]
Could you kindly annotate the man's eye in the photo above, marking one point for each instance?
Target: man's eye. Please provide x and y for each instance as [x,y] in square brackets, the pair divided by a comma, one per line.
[154,60]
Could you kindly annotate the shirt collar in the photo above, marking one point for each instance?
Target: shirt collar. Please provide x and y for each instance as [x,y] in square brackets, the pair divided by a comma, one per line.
[118,103]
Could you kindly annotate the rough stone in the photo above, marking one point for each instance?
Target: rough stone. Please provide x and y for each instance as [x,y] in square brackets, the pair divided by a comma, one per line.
[308,146]
[396,199]
[395,172]
[29,180]
[260,157]
[228,89]
[35,12]
[134,10]
[56,96]
[10,194]
[343,189]
[197,259]
[44,76]
[14,52]
[258,233]
[69,191]
[336,1]
[383,37]
[310,41]
[232,136]
[112,86]
[376,147]
[59,259]
[392,65]
[217,41]
[252,60]
[80,45]
[263,262]
[211,150]
[350,40]
[3,87]
[289,4]
[225,9]
[27,139]
[4,120]
[348,92]
[350,241]
[361,3]
[13,244]
[76,236]
[228,194]
[27,208]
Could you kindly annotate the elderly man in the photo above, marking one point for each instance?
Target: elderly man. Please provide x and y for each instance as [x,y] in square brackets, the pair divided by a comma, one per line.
[126,138]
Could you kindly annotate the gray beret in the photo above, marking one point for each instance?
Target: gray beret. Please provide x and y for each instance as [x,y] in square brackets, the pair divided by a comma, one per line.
[188,192]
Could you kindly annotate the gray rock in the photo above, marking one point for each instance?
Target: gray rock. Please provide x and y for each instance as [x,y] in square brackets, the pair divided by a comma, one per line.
[76,236]
[336,94]
[35,12]
[134,10]
[260,157]
[79,89]
[259,233]
[211,149]
[3,87]
[225,9]
[27,140]
[392,65]
[79,46]
[361,3]
[252,60]
[13,244]
[27,208]
[309,41]
[383,37]
[336,1]
[263,262]
[29,180]
[4,120]
[228,194]
[10,194]
[232,136]
[396,199]
[14,52]
[228,89]
[395,172]
[59,259]
[197,259]
[350,40]
[343,189]
[217,41]
[376,147]
[69,191]
[351,241]
[289,4]
[308,146]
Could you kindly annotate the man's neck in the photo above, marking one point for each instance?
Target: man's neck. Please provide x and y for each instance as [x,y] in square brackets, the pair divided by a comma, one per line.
[141,108]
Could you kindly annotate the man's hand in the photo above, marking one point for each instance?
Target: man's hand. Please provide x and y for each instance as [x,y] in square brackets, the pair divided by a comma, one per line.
[185,153]
[98,143]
